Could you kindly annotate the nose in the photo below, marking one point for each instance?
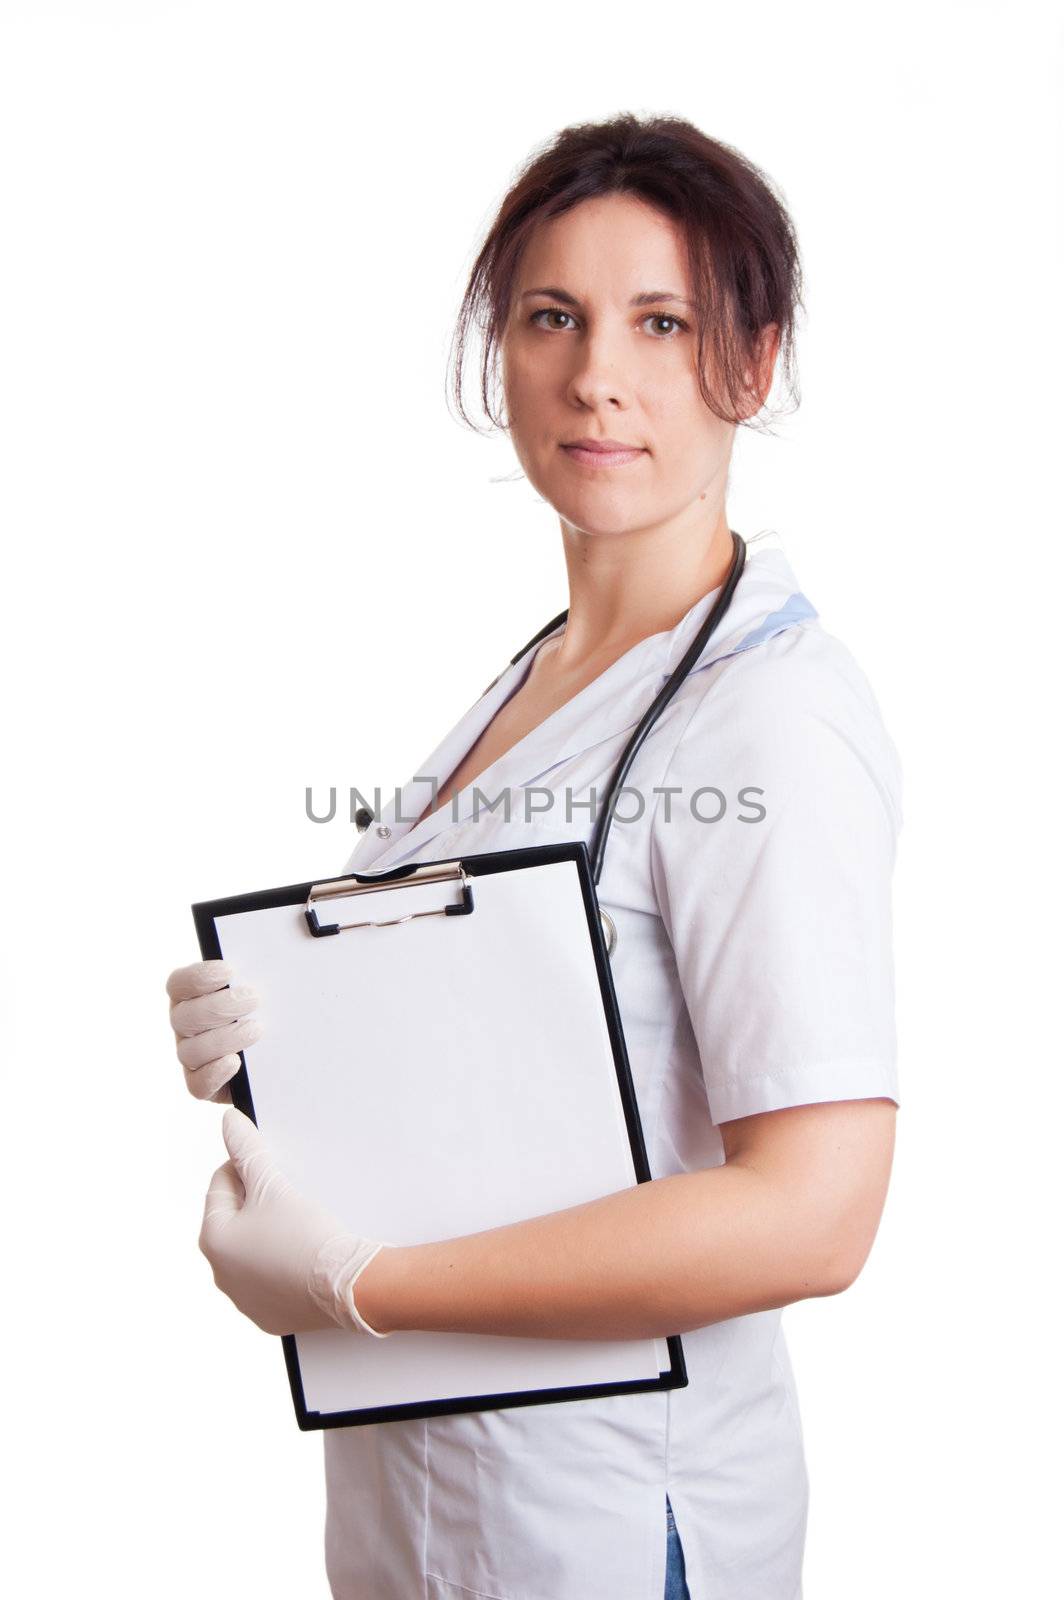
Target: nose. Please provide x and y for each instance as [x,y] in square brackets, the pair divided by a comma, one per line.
[598,376]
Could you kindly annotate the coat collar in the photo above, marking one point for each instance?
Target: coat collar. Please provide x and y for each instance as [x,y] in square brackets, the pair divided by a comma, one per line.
[766,600]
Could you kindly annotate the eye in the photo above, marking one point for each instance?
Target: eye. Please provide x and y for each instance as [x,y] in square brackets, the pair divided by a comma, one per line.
[655,316]
[665,316]
[548,311]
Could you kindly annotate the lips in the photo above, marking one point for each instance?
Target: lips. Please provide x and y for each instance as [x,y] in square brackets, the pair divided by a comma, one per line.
[600,454]
[602,446]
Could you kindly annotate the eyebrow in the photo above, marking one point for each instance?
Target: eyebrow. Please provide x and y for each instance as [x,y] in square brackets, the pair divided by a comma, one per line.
[649,297]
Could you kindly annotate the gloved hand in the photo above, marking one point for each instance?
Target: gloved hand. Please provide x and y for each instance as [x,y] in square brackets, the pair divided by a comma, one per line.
[284,1261]
[212,1023]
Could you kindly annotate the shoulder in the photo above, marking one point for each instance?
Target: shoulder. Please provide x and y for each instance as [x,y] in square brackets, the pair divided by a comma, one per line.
[796,709]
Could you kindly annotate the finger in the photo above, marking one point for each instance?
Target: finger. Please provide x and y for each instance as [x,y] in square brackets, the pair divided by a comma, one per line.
[211,1082]
[203,1047]
[199,978]
[199,1014]
[251,1155]
[226,1192]
[242,1137]
[225,1198]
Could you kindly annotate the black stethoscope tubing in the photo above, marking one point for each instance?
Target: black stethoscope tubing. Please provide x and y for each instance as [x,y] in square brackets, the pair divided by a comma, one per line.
[600,833]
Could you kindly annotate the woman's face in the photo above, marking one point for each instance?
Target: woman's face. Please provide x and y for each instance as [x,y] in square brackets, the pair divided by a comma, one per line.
[582,359]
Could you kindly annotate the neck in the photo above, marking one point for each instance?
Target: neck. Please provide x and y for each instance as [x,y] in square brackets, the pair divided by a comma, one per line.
[624,587]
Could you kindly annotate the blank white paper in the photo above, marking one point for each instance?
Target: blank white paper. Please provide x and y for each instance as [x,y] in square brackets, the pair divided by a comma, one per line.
[436,1078]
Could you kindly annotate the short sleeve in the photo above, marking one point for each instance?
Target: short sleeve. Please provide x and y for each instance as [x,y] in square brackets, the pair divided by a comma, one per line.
[779,911]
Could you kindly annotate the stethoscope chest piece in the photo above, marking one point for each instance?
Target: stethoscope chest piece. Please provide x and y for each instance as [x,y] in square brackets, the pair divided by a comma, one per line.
[609,928]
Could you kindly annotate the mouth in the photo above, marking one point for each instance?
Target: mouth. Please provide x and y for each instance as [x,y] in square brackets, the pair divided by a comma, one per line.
[602,453]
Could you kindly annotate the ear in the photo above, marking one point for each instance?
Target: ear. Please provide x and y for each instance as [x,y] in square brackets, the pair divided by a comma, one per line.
[760,372]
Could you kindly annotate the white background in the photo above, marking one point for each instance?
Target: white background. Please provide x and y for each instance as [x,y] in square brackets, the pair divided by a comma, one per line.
[249,549]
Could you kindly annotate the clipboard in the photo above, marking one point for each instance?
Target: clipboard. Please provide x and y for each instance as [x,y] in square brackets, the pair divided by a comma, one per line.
[442,1053]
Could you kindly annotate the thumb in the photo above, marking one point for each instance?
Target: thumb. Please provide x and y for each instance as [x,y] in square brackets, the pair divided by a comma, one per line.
[249,1153]
[225,1197]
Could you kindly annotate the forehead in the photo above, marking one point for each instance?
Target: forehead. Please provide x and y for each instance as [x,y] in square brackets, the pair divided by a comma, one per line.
[612,245]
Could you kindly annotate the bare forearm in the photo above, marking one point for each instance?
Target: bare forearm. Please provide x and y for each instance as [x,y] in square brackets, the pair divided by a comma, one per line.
[657,1259]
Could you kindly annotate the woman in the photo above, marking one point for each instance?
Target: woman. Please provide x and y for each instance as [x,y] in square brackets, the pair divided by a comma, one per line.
[640,284]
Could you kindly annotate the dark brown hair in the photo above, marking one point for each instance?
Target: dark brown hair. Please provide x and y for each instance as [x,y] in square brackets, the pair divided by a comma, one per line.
[741,245]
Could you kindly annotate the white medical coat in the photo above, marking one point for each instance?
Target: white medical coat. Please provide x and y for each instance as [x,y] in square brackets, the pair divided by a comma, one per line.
[753,970]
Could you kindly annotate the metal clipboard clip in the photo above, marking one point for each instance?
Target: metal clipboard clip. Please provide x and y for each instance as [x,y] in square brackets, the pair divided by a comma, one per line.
[346,888]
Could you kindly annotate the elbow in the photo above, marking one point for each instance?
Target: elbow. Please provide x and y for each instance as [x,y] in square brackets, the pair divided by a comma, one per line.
[846,1242]
[839,1278]
[843,1261]
[821,1277]
[817,1273]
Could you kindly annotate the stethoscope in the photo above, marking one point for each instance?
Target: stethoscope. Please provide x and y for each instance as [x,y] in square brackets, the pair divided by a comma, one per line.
[600,832]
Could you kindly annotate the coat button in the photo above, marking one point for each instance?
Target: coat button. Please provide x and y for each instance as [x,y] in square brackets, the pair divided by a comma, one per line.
[383,831]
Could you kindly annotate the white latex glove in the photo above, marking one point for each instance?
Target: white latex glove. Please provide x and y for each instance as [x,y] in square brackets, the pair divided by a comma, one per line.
[212,1023]
[284,1261]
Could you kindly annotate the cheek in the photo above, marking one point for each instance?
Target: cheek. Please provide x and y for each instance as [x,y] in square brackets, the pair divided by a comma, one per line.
[682,422]
[522,370]
[514,376]
[687,420]
[528,391]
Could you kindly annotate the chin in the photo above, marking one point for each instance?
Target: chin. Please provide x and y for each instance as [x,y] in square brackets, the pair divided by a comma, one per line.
[599,522]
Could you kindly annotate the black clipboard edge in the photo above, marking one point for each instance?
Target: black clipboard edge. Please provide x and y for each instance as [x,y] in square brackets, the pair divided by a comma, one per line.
[205,912]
